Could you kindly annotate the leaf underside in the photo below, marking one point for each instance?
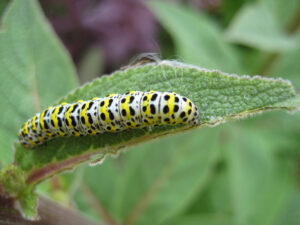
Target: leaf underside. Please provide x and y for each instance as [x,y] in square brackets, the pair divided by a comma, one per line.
[220,97]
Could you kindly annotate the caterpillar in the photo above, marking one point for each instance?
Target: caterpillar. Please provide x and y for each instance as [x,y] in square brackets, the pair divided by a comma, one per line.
[113,113]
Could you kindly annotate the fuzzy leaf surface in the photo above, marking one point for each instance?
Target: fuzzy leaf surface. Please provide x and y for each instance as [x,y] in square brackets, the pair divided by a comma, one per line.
[221,97]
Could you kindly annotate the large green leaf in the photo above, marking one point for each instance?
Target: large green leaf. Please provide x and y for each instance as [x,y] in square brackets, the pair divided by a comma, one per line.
[34,69]
[220,97]
[260,180]
[197,38]
[145,185]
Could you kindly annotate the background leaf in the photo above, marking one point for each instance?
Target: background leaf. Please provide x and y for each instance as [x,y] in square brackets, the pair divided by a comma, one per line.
[257,175]
[197,38]
[256,27]
[284,12]
[291,213]
[91,65]
[3,5]
[145,183]
[34,70]
[287,64]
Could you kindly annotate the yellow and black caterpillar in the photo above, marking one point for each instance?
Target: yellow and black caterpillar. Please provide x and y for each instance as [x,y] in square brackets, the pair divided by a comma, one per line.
[113,113]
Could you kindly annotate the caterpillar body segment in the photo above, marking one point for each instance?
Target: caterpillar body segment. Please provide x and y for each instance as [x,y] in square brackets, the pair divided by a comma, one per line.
[113,113]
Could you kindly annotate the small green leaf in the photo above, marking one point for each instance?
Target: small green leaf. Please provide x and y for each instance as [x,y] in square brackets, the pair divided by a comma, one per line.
[28,203]
[34,70]
[221,97]
[13,184]
[255,26]
[12,180]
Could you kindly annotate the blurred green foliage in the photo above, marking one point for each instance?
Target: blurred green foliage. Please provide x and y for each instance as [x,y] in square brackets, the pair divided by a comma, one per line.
[244,173]
[34,71]
[256,27]
[198,40]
